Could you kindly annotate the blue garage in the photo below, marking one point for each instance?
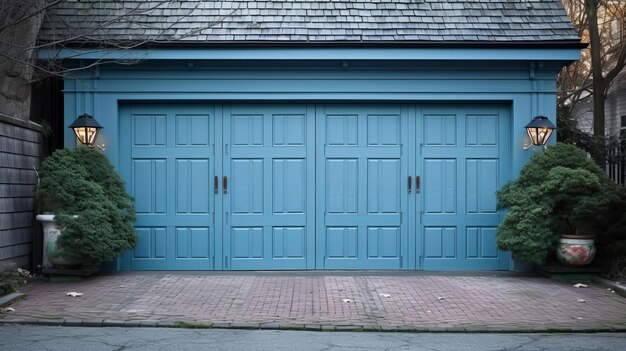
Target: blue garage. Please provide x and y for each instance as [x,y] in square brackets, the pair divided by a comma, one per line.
[365,134]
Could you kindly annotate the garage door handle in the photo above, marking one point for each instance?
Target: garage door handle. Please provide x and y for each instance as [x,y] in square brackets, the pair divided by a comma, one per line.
[409,183]
[225,185]
[417,184]
[215,185]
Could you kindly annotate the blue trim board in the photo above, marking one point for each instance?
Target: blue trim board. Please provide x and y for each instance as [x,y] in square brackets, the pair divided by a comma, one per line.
[357,54]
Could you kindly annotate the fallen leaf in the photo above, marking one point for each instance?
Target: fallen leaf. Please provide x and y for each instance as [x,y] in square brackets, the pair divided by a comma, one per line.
[74,294]
[580,285]
[7,309]
[581,300]
[385,295]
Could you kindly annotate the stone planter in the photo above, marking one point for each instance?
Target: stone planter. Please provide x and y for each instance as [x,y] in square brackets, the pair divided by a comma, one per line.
[576,250]
[52,253]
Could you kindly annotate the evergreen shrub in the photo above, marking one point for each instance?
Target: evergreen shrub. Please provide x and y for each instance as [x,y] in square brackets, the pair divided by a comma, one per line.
[87,196]
[559,191]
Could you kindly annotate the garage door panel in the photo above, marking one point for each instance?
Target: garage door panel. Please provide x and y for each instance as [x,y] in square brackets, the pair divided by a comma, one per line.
[288,129]
[192,186]
[149,130]
[269,208]
[192,130]
[247,129]
[247,242]
[341,130]
[192,242]
[288,242]
[247,186]
[289,186]
[459,160]
[481,242]
[440,185]
[383,130]
[341,185]
[440,242]
[439,130]
[152,242]
[149,185]
[383,242]
[482,183]
[361,167]
[341,242]
[169,162]
[481,130]
[383,184]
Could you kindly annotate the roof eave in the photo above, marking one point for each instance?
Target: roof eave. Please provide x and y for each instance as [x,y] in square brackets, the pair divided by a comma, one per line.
[555,44]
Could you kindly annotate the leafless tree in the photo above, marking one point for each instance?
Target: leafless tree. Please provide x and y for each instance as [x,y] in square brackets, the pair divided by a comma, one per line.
[601,24]
[21,20]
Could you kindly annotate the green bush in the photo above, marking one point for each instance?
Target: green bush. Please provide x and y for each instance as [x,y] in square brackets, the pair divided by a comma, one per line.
[559,191]
[90,203]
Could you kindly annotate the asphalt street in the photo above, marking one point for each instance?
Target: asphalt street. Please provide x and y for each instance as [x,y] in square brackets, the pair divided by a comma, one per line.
[19,338]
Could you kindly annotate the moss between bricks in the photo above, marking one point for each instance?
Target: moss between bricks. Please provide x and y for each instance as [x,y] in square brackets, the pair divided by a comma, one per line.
[193,325]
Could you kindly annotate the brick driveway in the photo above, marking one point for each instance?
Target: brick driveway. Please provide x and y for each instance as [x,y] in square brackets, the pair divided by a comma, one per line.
[328,300]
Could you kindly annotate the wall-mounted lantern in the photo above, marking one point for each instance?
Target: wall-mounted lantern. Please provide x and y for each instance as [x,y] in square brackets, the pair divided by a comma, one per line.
[539,131]
[86,129]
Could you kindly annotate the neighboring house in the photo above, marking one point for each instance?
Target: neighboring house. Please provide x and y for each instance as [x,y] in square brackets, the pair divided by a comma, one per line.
[615,124]
[614,109]
[363,134]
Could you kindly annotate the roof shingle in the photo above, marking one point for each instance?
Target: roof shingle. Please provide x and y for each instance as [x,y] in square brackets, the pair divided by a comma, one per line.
[309,21]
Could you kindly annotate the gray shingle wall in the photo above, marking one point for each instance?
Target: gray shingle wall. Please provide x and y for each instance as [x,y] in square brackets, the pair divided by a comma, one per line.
[20,150]
[306,20]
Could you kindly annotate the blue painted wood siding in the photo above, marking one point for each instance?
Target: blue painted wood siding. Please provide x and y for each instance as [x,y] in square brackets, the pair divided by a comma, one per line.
[525,88]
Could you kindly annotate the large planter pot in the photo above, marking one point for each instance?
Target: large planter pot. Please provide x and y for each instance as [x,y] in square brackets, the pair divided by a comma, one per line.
[576,250]
[52,252]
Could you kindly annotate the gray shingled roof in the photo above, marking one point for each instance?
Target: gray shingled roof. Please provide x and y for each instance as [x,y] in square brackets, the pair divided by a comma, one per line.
[310,21]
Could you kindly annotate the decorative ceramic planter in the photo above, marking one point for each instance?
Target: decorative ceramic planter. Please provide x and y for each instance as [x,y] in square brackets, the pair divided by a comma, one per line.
[52,253]
[575,250]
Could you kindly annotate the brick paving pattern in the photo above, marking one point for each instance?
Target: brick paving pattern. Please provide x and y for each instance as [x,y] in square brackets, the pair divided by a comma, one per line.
[375,301]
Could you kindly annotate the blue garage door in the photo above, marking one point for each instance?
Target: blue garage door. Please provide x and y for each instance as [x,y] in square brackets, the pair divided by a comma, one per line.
[460,168]
[360,197]
[269,201]
[168,163]
[315,186]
